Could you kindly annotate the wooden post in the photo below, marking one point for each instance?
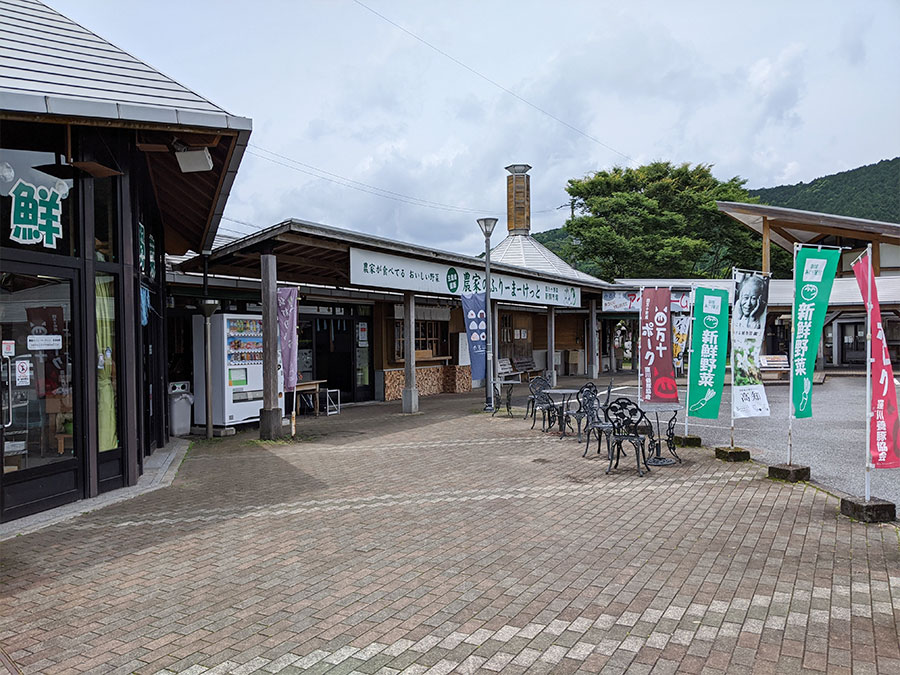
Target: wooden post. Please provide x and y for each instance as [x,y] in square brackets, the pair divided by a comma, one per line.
[551,345]
[410,392]
[611,344]
[876,258]
[594,343]
[270,414]
[766,246]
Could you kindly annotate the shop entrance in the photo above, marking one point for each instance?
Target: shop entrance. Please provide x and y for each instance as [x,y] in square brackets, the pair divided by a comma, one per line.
[853,343]
[41,436]
[338,349]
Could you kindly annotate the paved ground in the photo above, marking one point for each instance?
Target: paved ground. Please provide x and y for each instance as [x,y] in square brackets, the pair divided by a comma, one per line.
[832,443]
[452,542]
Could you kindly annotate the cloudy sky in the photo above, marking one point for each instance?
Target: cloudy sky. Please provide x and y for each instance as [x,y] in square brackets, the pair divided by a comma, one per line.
[424,103]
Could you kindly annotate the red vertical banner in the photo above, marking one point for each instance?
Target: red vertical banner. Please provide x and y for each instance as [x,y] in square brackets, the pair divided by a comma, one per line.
[884,425]
[657,369]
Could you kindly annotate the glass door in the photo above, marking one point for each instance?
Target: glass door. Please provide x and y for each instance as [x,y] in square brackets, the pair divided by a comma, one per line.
[41,445]
[363,386]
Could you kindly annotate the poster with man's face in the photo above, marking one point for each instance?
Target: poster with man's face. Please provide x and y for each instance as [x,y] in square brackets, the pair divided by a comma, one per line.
[748,323]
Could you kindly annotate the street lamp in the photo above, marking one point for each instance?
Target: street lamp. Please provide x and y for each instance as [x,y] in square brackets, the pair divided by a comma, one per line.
[487,226]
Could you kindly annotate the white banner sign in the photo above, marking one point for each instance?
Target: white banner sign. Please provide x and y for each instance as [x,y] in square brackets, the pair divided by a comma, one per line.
[630,301]
[382,270]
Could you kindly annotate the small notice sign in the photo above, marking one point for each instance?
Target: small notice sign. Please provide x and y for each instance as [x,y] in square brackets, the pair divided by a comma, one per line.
[9,348]
[23,373]
[44,342]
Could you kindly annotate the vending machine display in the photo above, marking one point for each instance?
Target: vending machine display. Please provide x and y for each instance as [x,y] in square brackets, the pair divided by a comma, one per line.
[237,372]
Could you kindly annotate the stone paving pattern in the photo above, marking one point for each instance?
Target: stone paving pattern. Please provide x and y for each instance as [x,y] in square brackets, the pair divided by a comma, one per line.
[450,541]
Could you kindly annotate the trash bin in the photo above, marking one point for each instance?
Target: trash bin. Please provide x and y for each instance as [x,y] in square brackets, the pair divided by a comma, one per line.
[181,401]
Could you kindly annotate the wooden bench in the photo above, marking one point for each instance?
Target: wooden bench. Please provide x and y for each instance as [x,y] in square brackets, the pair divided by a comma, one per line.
[774,362]
[526,367]
[506,372]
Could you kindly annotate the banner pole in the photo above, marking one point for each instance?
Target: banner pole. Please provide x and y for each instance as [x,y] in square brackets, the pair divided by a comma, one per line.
[791,378]
[636,353]
[734,309]
[688,360]
[869,374]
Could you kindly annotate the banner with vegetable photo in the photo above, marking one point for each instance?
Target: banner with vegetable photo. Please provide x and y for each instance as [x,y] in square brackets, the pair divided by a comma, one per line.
[709,343]
[814,271]
[748,327]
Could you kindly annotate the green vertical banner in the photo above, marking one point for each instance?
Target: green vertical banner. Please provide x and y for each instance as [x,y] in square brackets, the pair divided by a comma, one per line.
[814,271]
[709,347]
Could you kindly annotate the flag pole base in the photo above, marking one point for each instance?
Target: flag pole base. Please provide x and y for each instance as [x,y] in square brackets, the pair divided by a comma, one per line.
[792,473]
[687,441]
[872,511]
[728,454]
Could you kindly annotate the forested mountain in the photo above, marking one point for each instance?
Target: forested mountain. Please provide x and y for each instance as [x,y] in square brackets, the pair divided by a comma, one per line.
[660,220]
[871,192]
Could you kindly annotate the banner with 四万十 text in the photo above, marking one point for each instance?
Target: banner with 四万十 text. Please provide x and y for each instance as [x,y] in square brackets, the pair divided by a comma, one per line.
[657,374]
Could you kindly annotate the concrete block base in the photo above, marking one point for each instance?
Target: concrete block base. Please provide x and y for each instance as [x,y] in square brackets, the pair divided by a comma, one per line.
[270,424]
[728,454]
[410,400]
[689,441]
[873,511]
[217,431]
[792,473]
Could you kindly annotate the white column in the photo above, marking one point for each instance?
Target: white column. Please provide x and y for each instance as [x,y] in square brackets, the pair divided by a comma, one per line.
[410,392]
[270,415]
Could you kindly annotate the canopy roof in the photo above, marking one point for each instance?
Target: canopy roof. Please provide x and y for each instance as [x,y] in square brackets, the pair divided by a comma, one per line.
[53,70]
[313,253]
[790,226]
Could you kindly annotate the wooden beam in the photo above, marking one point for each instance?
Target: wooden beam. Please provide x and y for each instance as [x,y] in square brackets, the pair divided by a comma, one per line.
[299,262]
[766,246]
[876,259]
[836,231]
[293,238]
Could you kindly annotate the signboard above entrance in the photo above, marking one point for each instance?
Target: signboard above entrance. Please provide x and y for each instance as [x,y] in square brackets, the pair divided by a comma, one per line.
[630,301]
[391,272]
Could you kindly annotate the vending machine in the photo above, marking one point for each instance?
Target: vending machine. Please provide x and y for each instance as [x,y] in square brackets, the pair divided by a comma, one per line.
[236,362]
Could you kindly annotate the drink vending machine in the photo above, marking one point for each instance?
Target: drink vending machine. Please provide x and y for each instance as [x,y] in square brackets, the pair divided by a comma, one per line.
[236,361]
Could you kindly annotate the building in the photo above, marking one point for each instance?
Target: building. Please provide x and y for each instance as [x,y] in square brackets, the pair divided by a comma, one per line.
[106,165]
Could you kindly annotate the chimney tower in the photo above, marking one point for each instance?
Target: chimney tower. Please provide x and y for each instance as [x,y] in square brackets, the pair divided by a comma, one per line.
[518,199]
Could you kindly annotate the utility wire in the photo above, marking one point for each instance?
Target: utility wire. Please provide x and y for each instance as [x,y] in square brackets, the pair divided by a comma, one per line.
[496,84]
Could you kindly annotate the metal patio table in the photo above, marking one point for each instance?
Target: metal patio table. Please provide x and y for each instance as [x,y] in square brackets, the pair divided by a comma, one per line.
[656,408]
[565,396]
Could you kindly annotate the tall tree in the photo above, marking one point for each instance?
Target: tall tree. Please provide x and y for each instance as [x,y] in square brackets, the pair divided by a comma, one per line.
[660,221]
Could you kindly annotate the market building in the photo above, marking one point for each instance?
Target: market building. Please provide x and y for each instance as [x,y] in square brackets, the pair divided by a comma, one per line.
[106,166]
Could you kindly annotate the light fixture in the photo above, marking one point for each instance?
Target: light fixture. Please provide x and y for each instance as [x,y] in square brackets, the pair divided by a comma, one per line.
[487,225]
[518,168]
[191,161]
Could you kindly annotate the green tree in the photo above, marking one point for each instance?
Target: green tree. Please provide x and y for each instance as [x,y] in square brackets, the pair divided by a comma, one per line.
[660,221]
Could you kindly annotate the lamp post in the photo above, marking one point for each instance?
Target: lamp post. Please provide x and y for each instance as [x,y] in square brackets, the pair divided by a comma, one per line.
[487,226]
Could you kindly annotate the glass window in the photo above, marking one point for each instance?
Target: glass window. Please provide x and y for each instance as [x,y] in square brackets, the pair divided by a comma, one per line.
[36,373]
[37,202]
[105,219]
[107,360]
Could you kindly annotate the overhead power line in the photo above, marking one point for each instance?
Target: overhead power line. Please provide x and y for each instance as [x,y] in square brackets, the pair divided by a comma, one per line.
[495,83]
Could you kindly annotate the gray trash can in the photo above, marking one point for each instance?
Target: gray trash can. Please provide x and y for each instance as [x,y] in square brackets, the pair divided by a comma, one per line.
[181,402]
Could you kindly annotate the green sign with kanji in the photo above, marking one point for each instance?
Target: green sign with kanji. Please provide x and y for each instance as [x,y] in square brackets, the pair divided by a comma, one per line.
[36,214]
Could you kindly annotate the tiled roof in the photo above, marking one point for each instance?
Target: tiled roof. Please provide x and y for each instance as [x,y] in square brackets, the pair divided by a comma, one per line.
[50,64]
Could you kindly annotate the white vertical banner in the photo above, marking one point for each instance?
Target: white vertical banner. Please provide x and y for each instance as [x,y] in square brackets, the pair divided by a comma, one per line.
[748,328]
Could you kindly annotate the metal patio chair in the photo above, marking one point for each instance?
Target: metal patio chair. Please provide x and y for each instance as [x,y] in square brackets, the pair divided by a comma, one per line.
[579,414]
[549,410]
[631,425]
[535,385]
[596,421]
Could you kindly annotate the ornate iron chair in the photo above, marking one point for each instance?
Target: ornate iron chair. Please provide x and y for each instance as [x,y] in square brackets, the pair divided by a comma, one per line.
[549,410]
[535,385]
[629,424]
[595,410]
[579,413]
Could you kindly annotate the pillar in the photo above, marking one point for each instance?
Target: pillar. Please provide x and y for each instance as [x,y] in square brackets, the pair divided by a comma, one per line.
[594,343]
[551,345]
[270,414]
[410,392]
[495,317]
[611,344]
[766,246]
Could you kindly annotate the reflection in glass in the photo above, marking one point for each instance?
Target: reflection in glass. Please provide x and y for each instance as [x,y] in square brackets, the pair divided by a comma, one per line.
[107,409]
[36,371]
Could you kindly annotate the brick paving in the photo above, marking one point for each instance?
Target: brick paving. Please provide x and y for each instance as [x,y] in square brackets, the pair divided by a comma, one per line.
[451,542]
